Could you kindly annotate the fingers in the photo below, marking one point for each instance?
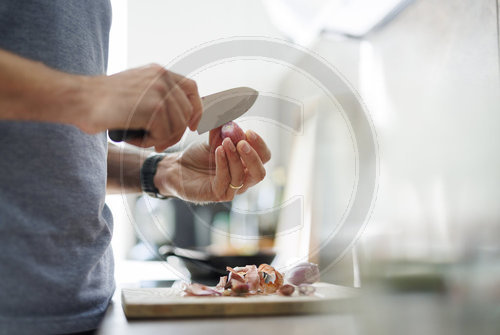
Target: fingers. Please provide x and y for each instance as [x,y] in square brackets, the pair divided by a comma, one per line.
[195,100]
[138,142]
[214,138]
[167,125]
[230,170]
[236,168]
[190,88]
[245,164]
[150,98]
[259,145]
[255,170]
[147,142]
[174,117]
[161,147]
[239,164]
[176,94]
[222,178]
[195,120]
[180,107]
[185,109]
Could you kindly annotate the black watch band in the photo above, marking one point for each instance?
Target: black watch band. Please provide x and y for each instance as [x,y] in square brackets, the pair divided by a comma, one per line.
[148,171]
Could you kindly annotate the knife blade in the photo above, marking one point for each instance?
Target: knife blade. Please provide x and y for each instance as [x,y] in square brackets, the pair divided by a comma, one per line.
[225,106]
[218,108]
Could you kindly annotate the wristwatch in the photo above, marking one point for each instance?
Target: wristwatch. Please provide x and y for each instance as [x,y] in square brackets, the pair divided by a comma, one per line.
[148,171]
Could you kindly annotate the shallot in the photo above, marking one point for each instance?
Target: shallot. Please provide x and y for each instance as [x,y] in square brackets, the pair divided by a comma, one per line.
[233,131]
[303,273]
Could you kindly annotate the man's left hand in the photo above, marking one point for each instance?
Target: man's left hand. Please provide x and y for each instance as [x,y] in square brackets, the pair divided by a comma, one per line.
[213,171]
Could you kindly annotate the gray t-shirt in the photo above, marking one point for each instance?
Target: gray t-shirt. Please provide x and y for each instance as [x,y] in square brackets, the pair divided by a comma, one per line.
[56,264]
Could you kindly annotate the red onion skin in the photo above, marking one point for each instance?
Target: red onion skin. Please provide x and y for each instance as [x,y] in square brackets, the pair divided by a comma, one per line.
[239,288]
[233,131]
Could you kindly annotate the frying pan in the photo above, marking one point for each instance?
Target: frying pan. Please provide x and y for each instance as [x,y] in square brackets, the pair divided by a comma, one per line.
[204,265]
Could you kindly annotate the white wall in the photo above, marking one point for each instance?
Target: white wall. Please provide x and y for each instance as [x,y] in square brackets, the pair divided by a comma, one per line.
[159,31]
[430,80]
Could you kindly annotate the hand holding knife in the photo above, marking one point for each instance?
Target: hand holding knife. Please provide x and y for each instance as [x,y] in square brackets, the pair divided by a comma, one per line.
[218,109]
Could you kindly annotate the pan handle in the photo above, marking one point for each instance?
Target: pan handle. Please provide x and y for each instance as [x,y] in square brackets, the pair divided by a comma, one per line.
[188,254]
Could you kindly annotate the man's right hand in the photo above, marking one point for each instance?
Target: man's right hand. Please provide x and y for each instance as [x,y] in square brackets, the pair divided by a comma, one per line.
[151,98]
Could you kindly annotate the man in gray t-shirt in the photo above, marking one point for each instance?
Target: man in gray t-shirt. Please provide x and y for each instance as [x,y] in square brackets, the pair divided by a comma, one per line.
[56,265]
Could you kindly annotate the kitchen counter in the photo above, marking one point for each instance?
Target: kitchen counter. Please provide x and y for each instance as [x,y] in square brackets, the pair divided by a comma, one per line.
[129,274]
[116,323]
[463,309]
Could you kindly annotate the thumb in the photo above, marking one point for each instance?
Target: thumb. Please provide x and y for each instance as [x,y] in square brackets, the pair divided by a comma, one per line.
[215,138]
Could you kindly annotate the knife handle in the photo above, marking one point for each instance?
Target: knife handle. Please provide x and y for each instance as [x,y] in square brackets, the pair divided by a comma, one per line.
[124,135]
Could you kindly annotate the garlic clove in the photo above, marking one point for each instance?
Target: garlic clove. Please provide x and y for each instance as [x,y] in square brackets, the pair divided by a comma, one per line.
[306,289]
[286,289]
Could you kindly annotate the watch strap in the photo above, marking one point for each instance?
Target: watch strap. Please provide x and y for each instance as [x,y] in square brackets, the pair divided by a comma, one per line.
[148,171]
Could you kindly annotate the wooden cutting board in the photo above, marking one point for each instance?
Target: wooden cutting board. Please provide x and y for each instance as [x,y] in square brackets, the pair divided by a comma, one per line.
[169,303]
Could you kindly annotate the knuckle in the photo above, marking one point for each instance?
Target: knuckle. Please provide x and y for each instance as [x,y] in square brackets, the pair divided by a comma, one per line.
[189,109]
[267,157]
[219,195]
[160,88]
[160,138]
[226,196]
[233,158]
[174,140]
[157,68]
[170,98]
[262,173]
[176,136]
[191,85]
[166,75]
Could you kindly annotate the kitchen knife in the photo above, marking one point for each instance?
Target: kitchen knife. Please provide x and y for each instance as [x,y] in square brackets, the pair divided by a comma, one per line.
[218,108]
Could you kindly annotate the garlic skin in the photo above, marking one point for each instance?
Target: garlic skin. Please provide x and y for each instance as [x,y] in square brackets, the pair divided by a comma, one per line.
[303,273]
[306,289]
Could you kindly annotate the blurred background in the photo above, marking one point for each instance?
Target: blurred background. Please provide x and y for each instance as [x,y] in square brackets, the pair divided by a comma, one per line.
[428,74]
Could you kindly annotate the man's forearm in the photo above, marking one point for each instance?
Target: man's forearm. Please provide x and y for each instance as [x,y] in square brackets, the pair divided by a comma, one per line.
[32,91]
[151,98]
[124,169]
